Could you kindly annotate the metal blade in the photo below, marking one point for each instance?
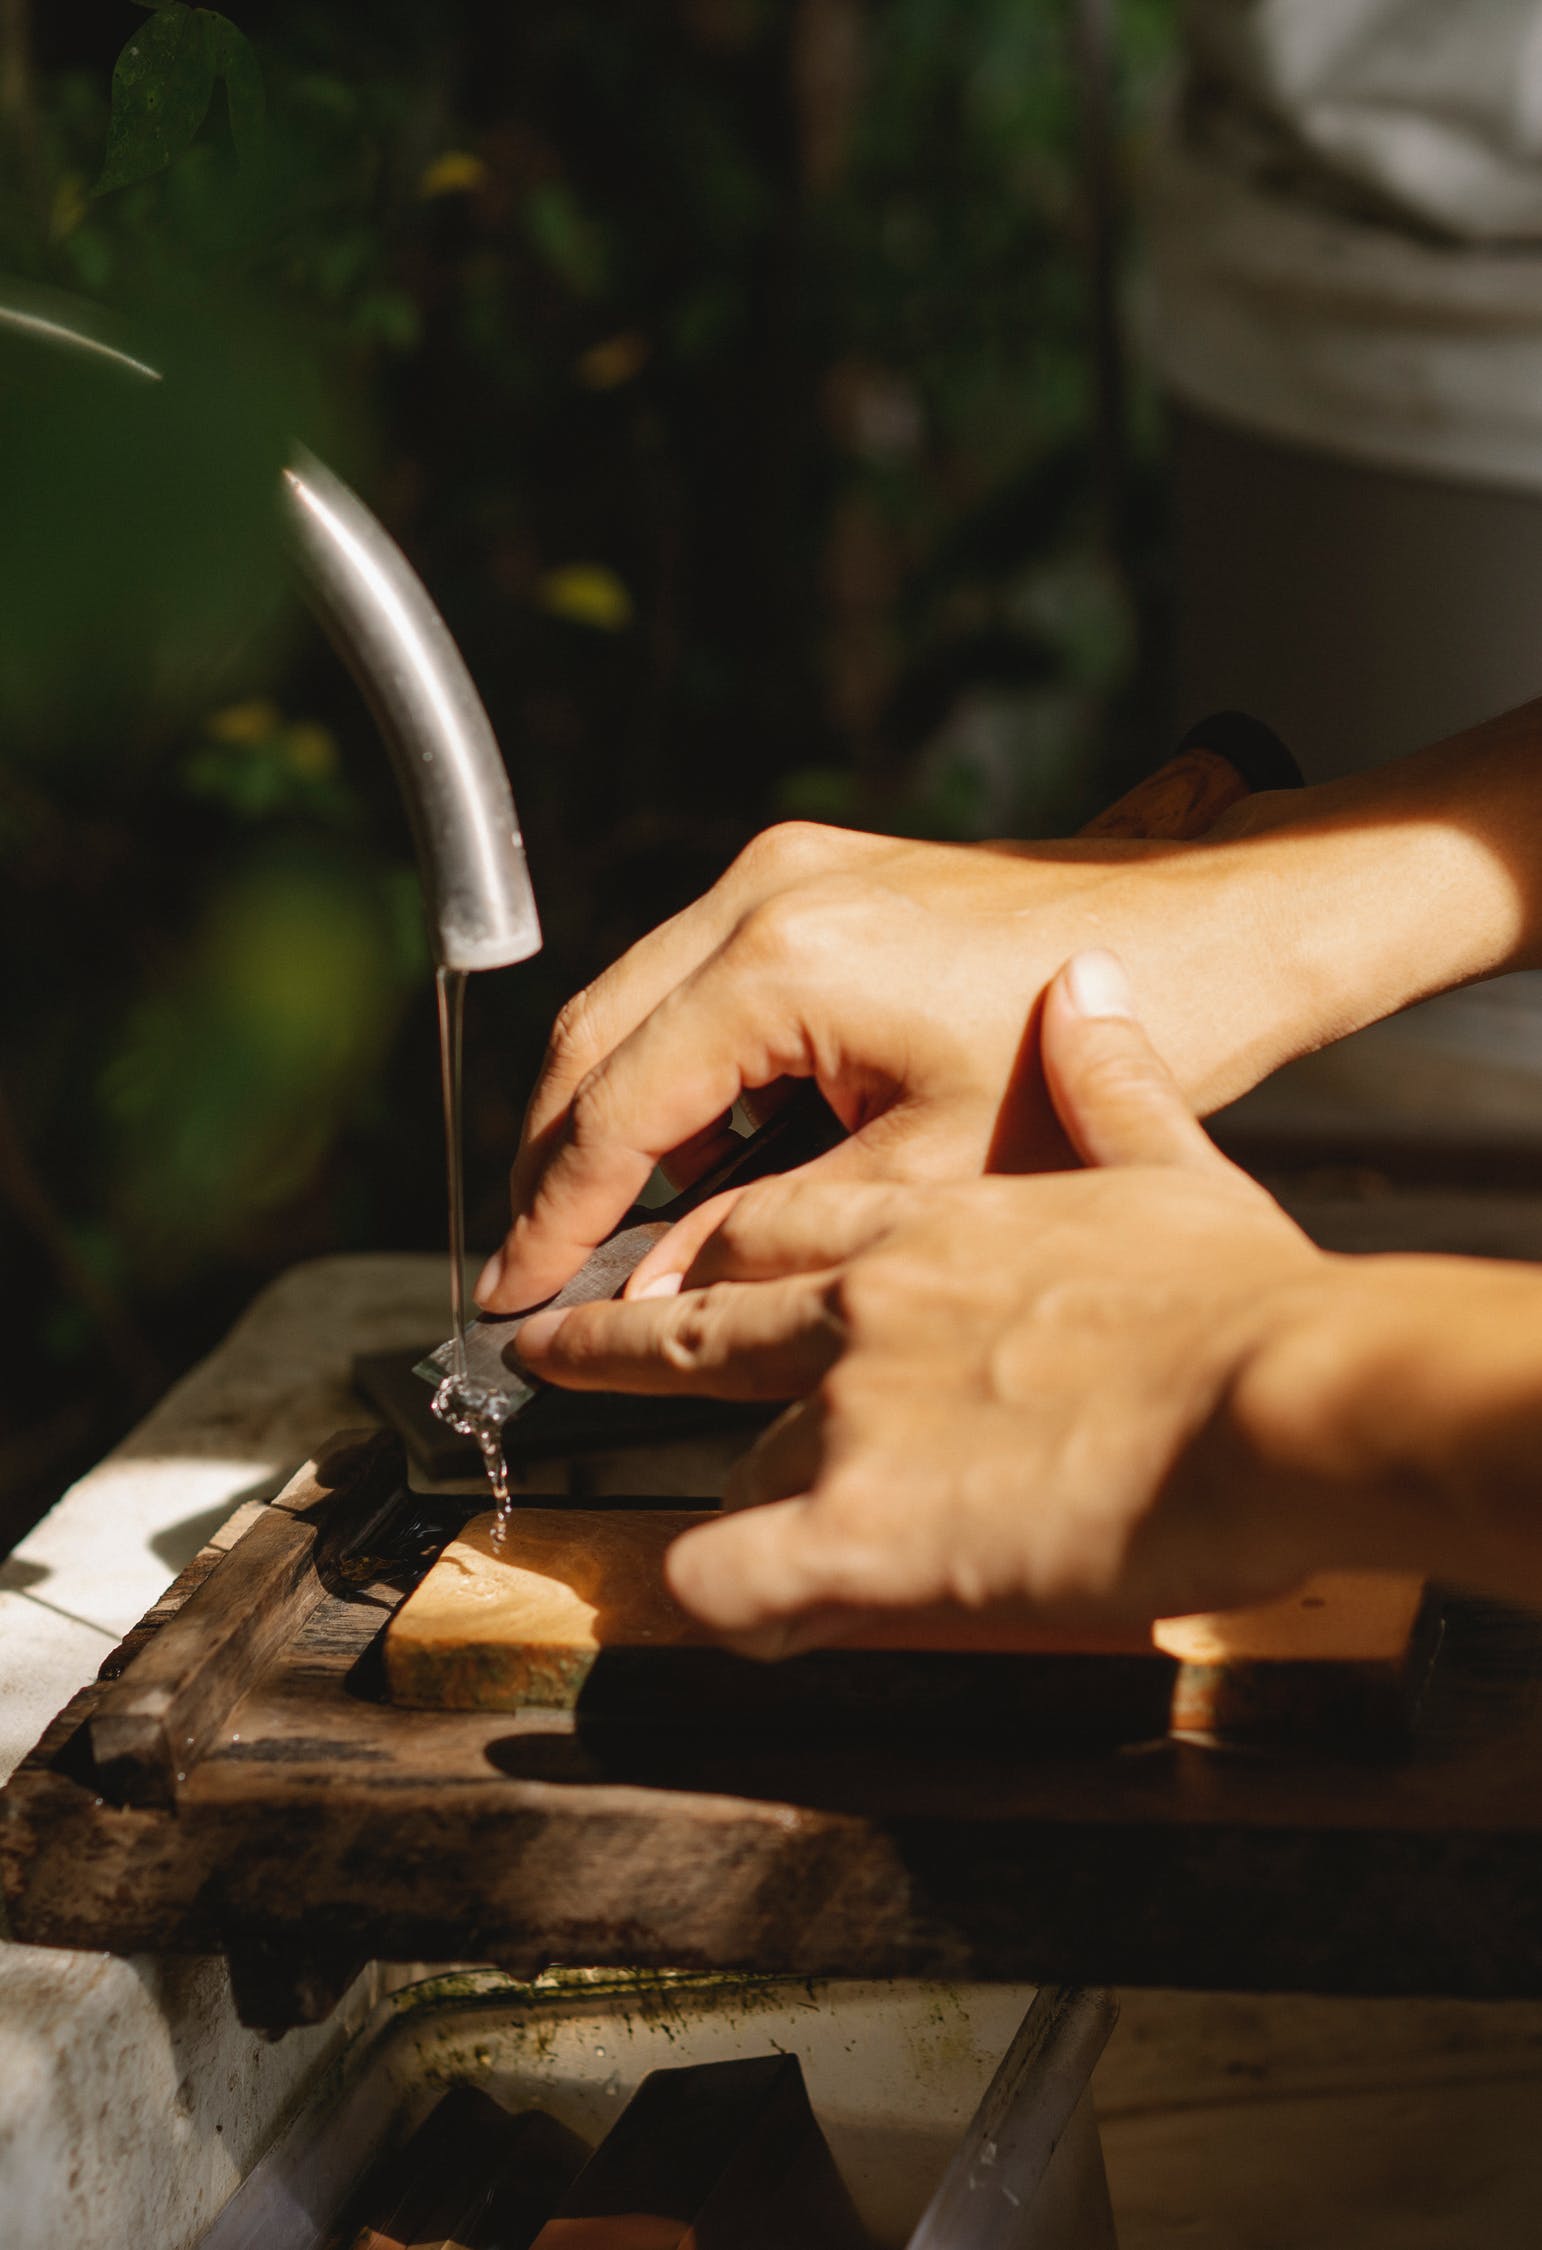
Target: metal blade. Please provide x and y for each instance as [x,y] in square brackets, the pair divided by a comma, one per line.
[492,1354]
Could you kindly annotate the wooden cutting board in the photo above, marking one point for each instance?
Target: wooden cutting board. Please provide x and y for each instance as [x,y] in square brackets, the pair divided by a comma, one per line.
[571,1611]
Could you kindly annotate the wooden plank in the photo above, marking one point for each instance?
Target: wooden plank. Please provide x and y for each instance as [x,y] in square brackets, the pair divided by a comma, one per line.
[718,2156]
[155,1721]
[337,1820]
[322,1821]
[537,1620]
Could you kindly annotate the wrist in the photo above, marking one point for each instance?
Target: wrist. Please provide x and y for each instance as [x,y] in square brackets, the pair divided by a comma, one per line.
[1394,1408]
[1259,960]
[1406,880]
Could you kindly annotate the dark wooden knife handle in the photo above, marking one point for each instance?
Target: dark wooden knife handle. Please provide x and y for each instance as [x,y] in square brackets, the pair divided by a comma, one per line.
[1220,761]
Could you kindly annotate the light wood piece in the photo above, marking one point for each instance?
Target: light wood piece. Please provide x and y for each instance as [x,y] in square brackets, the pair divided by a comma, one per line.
[525,1617]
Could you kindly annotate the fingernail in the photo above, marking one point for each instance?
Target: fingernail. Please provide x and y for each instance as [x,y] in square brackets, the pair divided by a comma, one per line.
[662,1285]
[489,1278]
[537,1332]
[1096,984]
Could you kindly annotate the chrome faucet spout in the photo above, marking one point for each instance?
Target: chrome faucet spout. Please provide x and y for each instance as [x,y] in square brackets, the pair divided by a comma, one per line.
[379,616]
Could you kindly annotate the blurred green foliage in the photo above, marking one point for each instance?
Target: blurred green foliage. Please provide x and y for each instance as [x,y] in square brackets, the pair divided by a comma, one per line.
[724,367]
[163,83]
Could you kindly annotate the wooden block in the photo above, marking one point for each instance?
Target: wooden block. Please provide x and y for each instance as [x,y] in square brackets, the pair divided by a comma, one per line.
[721,2156]
[1343,1658]
[492,1627]
[528,1623]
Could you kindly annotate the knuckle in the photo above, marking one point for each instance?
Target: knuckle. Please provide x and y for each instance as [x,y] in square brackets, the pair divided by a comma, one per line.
[571,1031]
[788,847]
[691,1335]
[865,1294]
[774,931]
[758,1205]
[845,1397]
[1123,1079]
[590,1110]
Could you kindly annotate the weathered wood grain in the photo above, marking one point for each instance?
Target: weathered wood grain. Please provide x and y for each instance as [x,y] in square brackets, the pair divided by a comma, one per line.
[150,1726]
[1182,798]
[322,1820]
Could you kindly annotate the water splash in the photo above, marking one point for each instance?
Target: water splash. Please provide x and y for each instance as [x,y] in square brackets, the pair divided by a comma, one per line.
[478,1411]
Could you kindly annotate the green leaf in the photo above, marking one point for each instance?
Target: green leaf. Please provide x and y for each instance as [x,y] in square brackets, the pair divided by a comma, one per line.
[235,60]
[162,85]
[569,242]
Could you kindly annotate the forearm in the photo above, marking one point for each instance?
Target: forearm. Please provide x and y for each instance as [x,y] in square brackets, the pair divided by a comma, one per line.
[1398,1403]
[1370,893]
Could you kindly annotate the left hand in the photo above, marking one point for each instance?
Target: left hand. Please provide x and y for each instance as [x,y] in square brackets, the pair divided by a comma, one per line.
[1021,1393]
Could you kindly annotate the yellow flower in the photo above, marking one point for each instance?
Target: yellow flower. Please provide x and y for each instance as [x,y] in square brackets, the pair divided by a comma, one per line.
[71,204]
[312,751]
[586,594]
[455,172]
[256,721]
[605,367]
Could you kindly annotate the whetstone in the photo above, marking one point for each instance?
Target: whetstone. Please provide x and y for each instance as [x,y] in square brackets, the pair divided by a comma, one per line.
[526,1623]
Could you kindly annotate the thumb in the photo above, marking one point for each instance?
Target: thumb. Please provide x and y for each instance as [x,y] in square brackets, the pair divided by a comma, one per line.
[1116,1098]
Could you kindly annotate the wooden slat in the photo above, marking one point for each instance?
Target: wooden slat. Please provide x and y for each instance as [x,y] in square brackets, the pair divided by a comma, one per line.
[154,1722]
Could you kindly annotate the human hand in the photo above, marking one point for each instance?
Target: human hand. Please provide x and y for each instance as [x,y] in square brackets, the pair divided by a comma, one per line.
[904,979]
[1032,1400]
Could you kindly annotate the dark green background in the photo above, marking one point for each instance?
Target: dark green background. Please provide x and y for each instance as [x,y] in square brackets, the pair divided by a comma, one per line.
[726,367]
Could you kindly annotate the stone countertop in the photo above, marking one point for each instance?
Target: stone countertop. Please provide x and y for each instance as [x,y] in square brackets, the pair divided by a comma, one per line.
[131,2100]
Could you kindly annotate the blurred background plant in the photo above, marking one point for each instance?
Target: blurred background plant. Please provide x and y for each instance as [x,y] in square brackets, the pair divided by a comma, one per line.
[742,376]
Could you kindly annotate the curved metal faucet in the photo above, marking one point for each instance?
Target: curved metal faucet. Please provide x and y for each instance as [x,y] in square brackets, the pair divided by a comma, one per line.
[378,614]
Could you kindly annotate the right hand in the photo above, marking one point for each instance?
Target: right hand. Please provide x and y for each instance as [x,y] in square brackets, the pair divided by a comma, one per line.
[1022,1400]
[903,978]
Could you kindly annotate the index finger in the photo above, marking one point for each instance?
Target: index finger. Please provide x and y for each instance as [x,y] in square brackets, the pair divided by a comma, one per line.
[792,1222]
[597,1019]
[739,1340]
[724,1028]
